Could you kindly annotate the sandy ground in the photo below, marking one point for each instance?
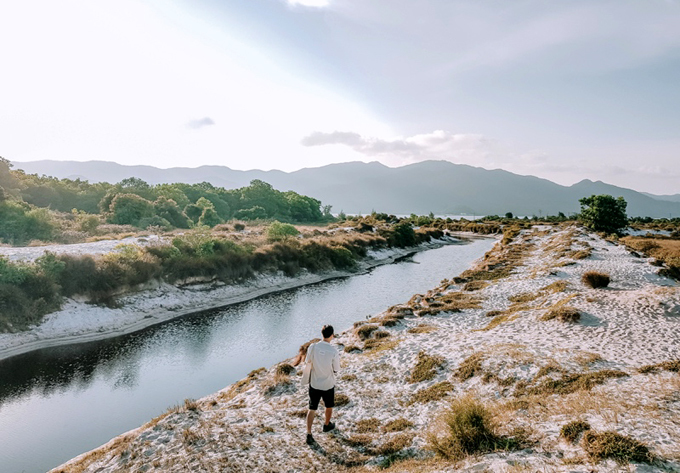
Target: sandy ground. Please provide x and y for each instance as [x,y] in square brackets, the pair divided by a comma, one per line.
[79,322]
[29,253]
[257,424]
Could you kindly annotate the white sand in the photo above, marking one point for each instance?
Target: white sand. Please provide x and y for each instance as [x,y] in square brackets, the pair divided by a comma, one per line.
[254,425]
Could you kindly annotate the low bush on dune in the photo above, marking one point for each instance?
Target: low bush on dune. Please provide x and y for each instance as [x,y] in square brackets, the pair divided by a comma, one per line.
[595,279]
[570,383]
[621,448]
[433,393]
[425,368]
[572,430]
[564,313]
[468,429]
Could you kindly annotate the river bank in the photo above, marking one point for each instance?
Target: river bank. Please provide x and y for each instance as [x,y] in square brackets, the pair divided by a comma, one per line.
[491,336]
[81,322]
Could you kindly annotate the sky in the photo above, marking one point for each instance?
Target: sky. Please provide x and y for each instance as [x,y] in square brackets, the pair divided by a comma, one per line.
[563,90]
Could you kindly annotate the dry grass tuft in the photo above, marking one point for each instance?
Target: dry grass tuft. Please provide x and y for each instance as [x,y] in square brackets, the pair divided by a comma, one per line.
[378,334]
[623,449]
[595,279]
[397,425]
[573,430]
[433,393]
[422,328]
[524,297]
[360,440]
[469,430]
[557,286]
[564,313]
[285,369]
[364,331]
[425,368]
[470,366]
[393,445]
[351,349]
[341,400]
[571,383]
[475,286]
[581,254]
[673,366]
[365,426]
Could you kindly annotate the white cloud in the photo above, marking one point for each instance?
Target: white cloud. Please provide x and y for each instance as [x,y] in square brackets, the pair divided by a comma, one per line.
[200,123]
[460,148]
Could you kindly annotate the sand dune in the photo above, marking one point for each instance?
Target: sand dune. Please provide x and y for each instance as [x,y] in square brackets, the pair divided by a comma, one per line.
[257,425]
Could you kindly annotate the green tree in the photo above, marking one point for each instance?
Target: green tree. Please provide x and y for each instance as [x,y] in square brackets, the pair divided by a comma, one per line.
[193,212]
[209,217]
[129,209]
[604,213]
[251,214]
[170,211]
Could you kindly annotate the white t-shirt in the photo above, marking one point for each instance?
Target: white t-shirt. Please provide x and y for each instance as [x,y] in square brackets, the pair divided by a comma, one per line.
[325,360]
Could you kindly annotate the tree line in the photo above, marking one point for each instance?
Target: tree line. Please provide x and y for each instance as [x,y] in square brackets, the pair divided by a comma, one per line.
[29,204]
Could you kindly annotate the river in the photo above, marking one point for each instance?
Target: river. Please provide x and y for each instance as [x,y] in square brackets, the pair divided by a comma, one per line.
[59,402]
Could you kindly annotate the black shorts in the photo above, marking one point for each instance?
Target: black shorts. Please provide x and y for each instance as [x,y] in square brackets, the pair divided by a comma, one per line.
[315,395]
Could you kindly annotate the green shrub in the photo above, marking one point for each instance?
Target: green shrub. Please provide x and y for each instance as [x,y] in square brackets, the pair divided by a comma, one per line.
[278,231]
[155,221]
[21,224]
[27,293]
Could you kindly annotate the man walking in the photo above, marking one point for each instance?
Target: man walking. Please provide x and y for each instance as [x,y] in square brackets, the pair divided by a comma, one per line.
[325,362]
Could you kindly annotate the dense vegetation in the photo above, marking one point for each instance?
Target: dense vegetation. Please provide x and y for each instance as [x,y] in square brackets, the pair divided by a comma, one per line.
[44,208]
[30,290]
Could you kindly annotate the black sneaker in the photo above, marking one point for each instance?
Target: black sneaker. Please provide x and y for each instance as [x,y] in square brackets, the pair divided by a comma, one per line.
[328,427]
[310,440]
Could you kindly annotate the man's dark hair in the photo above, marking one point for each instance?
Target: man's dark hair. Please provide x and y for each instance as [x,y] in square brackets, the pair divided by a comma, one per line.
[327,331]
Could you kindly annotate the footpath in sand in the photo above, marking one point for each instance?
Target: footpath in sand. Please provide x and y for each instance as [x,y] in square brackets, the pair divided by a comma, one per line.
[504,332]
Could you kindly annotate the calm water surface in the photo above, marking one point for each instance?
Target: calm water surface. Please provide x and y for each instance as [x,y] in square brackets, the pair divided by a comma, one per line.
[60,402]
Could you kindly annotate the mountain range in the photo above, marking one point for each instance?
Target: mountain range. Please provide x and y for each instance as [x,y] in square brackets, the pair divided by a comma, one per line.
[440,187]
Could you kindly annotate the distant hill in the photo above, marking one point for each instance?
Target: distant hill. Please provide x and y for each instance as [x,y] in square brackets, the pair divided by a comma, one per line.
[440,187]
[670,198]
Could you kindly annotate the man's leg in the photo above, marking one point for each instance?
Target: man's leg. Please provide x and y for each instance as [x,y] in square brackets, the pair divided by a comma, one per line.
[310,419]
[329,413]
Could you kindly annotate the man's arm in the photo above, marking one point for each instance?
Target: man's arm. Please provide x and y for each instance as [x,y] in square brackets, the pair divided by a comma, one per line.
[308,358]
[336,362]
